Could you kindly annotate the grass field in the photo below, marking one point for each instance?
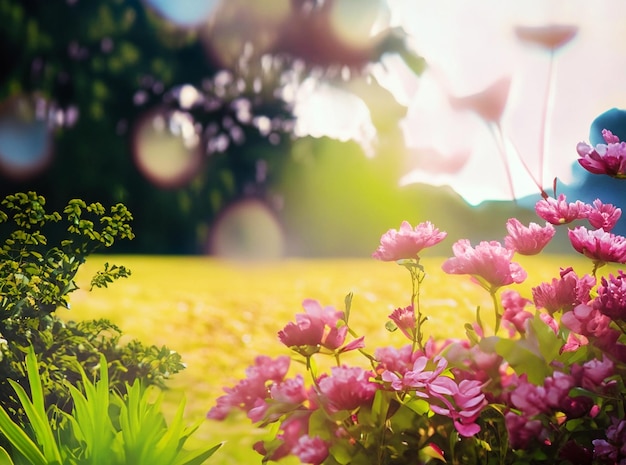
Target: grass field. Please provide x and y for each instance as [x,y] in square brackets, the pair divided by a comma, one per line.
[220,315]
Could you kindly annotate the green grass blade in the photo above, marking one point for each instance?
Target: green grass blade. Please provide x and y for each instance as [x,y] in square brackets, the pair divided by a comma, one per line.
[36,411]
[20,440]
[5,459]
[196,457]
[90,418]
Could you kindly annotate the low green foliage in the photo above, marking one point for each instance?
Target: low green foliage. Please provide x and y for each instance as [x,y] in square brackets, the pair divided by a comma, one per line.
[103,428]
[37,275]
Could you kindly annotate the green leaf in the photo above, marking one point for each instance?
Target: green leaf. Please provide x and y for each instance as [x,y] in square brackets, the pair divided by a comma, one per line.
[20,440]
[36,411]
[348,305]
[520,356]
[5,459]
[197,457]
[549,344]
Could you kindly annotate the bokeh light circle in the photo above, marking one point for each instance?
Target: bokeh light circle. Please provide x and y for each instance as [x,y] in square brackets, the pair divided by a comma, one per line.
[247,230]
[25,137]
[243,28]
[167,148]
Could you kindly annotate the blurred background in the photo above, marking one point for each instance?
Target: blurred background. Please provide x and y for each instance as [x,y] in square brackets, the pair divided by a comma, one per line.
[272,128]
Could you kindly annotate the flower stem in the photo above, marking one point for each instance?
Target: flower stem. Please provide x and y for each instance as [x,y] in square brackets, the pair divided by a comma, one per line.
[496,306]
[417,276]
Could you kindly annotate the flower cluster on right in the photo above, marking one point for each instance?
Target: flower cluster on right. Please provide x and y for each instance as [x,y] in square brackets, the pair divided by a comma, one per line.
[543,384]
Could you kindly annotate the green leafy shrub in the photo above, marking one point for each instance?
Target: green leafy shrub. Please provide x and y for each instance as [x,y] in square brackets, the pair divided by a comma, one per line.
[36,278]
[103,428]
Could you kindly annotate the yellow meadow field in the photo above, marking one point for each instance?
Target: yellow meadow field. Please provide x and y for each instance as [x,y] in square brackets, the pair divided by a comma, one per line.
[219,315]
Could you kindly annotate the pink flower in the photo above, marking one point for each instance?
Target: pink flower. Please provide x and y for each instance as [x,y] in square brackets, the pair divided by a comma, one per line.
[291,430]
[533,400]
[404,318]
[527,240]
[245,395]
[521,430]
[514,315]
[603,215]
[469,400]
[529,398]
[611,299]
[558,211]
[593,373]
[586,320]
[565,293]
[489,264]
[574,342]
[407,243]
[395,360]
[598,245]
[318,326]
[417,377]
[609,158]
[347,388]
[310,450]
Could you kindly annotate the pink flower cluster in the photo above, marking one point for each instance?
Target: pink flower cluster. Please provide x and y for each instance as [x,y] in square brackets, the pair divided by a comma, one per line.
[555,382]
[268,396]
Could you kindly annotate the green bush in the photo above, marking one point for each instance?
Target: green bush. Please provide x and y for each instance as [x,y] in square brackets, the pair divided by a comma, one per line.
[36,278]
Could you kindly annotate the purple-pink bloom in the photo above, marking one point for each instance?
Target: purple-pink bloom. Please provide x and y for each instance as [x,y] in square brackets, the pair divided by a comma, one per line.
[613,448]
[559,211]
[591,374]
[247,392]
[603,215]
[489,263]
[527,240]
[565,293]
[310,450]
[611,299]
[347,388]
[521,430]
[514,316]
[469,400]
[609,158]
[404,319]
[598,245]
[407,242]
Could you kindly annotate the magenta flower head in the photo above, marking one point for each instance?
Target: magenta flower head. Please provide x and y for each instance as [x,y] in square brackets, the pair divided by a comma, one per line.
[489,264]
[312,450]
[404,319]
[559,211]
[347,388]
[527,240]
[611,300]
[603,215]
[565,293]
[407,242]
[609,158]
[316,327]
[600,246]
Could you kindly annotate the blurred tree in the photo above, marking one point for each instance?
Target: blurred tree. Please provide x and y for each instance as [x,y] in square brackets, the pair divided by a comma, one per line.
[113,79]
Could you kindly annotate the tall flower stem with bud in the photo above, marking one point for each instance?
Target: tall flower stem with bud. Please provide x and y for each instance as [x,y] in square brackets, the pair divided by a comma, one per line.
[417,277]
